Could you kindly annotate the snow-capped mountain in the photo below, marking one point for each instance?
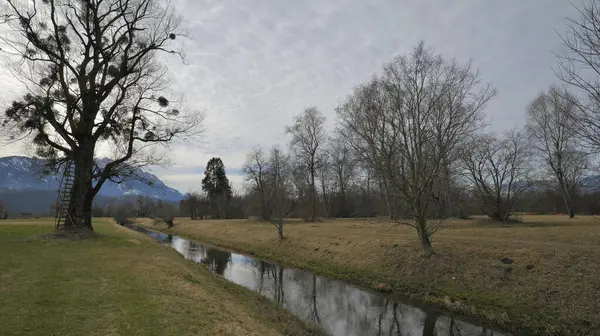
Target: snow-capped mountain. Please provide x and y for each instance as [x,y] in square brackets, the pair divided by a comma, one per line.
[19,173]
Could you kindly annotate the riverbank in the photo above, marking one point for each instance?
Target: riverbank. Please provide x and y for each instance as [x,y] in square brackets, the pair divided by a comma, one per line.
[122,283]
[541,276]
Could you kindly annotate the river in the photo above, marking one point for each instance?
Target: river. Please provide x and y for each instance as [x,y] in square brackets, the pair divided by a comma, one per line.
[342,309]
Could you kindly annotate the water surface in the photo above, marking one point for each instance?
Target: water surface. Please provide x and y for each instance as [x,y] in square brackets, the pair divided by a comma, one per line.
[341,308]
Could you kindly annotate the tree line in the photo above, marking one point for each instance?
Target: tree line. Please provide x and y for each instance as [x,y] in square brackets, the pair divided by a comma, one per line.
[409,144]
[412,144]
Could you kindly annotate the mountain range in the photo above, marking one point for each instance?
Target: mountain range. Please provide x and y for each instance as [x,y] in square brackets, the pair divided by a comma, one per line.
[20,173]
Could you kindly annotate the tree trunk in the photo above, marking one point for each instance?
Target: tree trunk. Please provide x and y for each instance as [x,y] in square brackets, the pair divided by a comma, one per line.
[384,189]
[280,228]
[82,195]
[325,210]
[568,201]
[314,194]
[264,211]
[369,199]
[426,246]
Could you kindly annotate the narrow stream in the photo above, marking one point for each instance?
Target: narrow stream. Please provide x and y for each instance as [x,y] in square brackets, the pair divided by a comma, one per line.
[342,309]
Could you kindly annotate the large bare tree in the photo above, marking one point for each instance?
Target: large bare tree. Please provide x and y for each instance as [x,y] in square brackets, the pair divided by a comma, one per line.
[579,67]
[557,143]
[307,143]
[499,171]
[94,77]
[408,124]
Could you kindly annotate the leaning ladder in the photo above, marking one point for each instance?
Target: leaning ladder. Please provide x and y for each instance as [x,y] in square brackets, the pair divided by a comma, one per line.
[64,196]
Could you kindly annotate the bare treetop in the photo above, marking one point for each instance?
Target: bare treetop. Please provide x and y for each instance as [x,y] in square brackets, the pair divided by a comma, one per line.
[579,67]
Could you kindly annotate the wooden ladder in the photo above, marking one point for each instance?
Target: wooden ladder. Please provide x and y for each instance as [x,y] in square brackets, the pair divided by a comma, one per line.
[64,196]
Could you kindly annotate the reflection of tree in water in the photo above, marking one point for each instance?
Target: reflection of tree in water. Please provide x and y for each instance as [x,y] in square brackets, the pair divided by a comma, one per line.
[217,260]
[380,318]
[193,250]
[395,325]
[262,269]
[314,313]
[277,273]
[429,324]
[274,272]
[193,247]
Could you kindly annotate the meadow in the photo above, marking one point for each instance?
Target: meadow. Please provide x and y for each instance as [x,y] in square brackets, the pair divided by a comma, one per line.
[121,283]
[540,276]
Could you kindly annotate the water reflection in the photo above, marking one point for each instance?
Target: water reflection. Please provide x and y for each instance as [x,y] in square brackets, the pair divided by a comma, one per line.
[340,308]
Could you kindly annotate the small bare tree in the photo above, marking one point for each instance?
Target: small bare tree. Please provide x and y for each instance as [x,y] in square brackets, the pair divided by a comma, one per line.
[190,205]
[94,79]
[144,206]
[498,170]
[408,124]
[255,170]
[278,179]
[557,143]
[164,213]
[308,139]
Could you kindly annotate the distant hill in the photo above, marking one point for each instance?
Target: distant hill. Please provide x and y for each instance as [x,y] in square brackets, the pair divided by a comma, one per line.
[22,181]
[589,184]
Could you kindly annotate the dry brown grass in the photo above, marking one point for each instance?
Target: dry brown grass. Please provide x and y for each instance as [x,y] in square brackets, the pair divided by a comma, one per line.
[559,295]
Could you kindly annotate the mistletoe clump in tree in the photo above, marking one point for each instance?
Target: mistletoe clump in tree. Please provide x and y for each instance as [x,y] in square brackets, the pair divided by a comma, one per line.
[216,186]
[94,79]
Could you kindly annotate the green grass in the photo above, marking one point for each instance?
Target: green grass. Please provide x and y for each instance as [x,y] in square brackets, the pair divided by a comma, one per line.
[121,283]
[560,295]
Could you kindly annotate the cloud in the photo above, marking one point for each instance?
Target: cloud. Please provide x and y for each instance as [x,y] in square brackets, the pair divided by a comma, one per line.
[253,65]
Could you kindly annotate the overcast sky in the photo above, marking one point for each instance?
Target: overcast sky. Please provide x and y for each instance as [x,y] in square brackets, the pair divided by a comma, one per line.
[253,65]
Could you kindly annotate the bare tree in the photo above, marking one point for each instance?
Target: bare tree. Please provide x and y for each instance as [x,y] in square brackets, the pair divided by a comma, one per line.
[193,204]
[409,122]
[164,213]
[324,176]
[255,171]
[498,170]
[300,188]
[278,179]
[343,167]
[94,78]
[144,206]
[308,137]
[579,67]
[556,142]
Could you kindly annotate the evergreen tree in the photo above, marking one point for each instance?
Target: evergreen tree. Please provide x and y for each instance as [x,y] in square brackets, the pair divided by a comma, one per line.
[216,185]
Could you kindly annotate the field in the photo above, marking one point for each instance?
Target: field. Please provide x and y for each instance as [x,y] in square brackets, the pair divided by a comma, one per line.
[122,283]
[551,287]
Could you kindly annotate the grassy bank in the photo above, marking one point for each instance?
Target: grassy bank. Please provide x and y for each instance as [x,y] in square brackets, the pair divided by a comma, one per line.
[122,283]
[551,288]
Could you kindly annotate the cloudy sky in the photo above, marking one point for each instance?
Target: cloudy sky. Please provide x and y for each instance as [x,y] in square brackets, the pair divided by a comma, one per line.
[253,65]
